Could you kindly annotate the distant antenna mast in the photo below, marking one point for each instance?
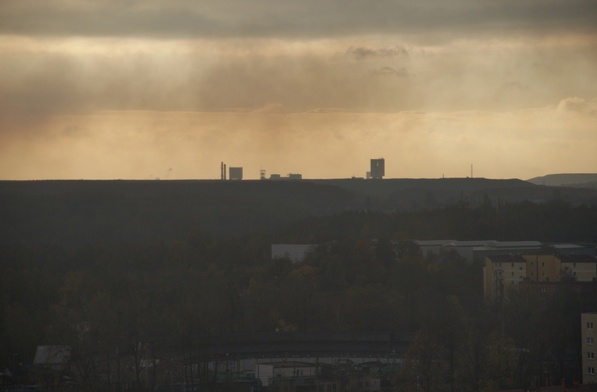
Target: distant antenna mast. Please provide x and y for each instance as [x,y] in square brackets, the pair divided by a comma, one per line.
[471,170]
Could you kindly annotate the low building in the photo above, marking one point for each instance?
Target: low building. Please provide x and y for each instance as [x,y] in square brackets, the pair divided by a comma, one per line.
[52,366]
[56,358]
[476,251]
[294,252]
[289,374]
[364,384]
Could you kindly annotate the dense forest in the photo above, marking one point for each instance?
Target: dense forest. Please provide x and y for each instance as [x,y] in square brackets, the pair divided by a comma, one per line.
[119,286]
[92,212]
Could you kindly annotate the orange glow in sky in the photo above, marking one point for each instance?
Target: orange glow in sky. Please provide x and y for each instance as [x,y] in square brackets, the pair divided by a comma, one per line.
[168,89]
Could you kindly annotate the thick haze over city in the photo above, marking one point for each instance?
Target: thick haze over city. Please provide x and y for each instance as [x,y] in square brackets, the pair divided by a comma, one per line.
[111,89]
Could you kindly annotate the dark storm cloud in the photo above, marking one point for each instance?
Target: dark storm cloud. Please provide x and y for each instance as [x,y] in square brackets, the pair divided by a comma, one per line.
[284,18]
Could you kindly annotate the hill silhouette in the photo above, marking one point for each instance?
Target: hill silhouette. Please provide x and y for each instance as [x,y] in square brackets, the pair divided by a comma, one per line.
[578,180]
[119,210]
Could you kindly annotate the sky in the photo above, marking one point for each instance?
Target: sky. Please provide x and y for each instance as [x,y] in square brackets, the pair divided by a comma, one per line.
[169,89]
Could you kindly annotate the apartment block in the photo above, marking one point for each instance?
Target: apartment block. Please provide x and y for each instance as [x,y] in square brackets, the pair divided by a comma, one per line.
[542,268]
[588,325]
[501,274]
[579,268]
[504,273]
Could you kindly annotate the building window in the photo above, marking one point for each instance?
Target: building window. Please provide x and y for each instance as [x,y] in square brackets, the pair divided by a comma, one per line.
[589,340]
[590,325]
[590,355]
[591,370]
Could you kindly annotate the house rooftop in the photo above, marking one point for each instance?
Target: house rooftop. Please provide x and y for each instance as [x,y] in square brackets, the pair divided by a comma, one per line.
[576,259]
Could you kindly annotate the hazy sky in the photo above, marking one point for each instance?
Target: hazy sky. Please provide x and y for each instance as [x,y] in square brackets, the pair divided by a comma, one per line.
[103,89]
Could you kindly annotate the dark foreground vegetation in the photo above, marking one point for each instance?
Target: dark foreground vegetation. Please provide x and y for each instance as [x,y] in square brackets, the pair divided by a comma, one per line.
[118,295]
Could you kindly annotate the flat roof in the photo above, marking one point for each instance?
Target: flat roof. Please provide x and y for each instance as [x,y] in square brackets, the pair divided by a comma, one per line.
[509,258]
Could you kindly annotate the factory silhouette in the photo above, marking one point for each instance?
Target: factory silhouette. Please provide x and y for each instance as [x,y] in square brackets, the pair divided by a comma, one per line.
[235,173]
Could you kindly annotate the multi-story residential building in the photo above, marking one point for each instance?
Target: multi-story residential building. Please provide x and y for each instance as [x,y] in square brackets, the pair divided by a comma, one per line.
[503,273]
[543,268]
[577,267]
[588,325]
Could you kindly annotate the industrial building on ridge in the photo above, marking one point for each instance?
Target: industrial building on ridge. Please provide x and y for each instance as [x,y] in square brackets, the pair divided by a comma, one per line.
[236,173]
[378,169]
[291,176]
